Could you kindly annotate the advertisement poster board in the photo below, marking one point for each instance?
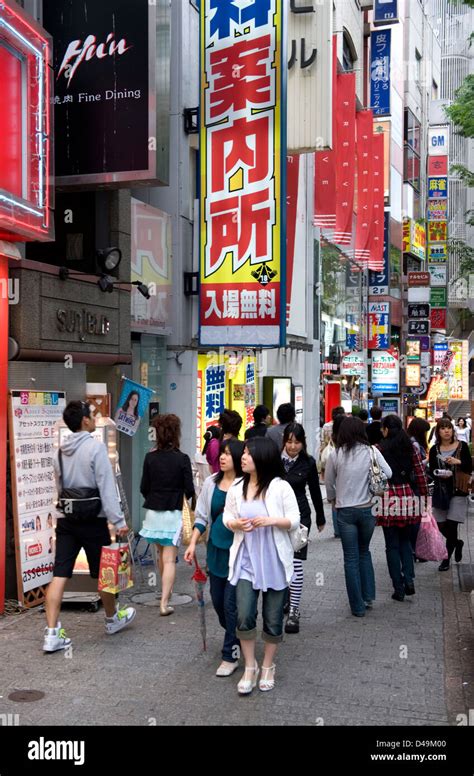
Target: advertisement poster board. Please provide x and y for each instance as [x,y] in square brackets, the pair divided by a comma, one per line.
[132,405]
[225,381]
[104,90]
[32,419]
[385,371]
[390,405]
[243,174]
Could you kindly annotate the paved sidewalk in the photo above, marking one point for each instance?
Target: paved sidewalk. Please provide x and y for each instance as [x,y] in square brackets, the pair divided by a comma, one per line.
[384,669]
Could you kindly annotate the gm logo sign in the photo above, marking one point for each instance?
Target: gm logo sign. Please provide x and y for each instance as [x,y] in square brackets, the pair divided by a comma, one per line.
[438,141]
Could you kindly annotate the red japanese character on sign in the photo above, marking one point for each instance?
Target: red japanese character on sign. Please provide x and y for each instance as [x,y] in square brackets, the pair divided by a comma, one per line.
[230,149]
[241,224]
[241,77]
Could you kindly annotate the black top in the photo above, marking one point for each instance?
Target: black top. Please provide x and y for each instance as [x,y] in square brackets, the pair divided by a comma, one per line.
[304,472]
[258,430]
[166,479]
[464,457]
[374,432]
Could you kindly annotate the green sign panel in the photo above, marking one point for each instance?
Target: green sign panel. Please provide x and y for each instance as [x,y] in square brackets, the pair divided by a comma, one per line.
[439,297]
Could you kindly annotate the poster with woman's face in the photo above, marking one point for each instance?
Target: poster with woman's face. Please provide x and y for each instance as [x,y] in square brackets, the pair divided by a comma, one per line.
[133,402]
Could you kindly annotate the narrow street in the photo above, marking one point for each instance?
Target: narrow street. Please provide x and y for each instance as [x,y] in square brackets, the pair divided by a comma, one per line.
[388,668]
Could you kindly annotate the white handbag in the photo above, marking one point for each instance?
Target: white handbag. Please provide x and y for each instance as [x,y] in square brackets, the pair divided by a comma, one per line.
[299,537]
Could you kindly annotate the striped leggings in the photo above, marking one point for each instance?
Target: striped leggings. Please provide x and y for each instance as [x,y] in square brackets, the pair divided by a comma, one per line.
[296,587]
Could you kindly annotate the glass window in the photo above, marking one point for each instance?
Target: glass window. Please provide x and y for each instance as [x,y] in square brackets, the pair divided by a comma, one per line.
[412,138]
[348,55]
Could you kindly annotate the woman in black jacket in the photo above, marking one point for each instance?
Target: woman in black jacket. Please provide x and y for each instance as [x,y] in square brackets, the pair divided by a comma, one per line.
[452,458]
[301,471]
[166,480]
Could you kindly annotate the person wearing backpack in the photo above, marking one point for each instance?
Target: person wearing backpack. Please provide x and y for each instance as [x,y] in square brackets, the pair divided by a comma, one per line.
[87,500]
[347,487]
[401,505]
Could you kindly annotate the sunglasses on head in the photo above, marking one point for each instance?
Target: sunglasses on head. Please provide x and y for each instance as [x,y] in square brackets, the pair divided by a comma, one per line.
[86,409]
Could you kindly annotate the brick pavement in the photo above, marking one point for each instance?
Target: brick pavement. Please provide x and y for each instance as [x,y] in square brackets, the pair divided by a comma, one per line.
[384,669]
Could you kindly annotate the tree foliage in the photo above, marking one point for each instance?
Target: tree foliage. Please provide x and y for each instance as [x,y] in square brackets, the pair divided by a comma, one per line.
[461,111]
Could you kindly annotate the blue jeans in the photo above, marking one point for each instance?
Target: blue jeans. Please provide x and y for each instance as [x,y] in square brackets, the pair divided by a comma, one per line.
[272,612]
[356,526]
[334,522]
[223,600]
[399,552]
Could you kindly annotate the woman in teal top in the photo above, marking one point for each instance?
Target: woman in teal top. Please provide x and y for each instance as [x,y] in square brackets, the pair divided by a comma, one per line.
[209,510]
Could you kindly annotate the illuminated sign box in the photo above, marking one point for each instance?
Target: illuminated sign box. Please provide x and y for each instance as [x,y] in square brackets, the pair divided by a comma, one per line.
[25,120]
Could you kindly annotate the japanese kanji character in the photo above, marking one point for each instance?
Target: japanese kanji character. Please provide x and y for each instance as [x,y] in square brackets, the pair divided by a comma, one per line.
[226,12]
[381,69]
[213,307]
[242,223]
[241,76]
[266,303]
[231,304]
[248,304]
[230,147]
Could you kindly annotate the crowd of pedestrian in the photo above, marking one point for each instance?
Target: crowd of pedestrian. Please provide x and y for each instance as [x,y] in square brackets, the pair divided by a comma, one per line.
[254,508]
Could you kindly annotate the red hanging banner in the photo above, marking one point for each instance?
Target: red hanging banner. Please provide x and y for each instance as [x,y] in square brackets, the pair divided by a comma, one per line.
[345,157]
[376,261]
[364,127]
[292,183]
[325,166]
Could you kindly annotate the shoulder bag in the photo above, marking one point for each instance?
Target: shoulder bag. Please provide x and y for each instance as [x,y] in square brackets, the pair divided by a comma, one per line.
[299,537]
[378,481]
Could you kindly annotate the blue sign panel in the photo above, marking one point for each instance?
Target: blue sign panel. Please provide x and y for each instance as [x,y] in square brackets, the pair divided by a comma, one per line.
[438,188]
[380,41]
[379,282]
[385,12]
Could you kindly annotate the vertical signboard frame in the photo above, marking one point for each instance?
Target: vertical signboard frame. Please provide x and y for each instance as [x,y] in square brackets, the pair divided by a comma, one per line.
[253,278]
[33,596]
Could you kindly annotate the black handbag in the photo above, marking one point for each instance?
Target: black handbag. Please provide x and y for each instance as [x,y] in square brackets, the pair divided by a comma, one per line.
[441,495]
[79,503]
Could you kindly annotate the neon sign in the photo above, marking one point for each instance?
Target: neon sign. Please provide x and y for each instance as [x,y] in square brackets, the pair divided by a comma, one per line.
[25,169]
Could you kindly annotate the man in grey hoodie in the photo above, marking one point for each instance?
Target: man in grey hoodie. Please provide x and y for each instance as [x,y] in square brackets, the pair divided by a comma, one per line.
[85,464]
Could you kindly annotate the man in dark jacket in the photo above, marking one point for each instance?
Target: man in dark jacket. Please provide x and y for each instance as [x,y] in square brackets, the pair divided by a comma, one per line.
[374,429]
[262,419]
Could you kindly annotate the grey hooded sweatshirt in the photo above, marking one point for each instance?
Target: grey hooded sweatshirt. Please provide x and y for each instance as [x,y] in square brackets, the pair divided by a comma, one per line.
[86,465]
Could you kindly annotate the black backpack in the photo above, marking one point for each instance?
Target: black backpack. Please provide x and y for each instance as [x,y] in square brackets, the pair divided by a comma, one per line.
[80,503]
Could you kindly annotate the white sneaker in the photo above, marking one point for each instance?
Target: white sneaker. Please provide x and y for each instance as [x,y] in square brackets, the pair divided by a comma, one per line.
[55,638]
[120,620]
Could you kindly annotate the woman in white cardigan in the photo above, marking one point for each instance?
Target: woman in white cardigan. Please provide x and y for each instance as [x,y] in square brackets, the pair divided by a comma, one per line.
[262,510]
[208,513]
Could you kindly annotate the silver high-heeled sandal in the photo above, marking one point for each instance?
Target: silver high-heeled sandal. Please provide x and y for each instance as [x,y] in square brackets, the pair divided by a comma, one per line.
[245,686]
[265,683]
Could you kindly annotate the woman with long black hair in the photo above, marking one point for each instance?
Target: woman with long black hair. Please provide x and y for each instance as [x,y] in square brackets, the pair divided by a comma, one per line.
[401,505]
[450,465]
[300,471]
[261,510]
[417,431]
[209,511]
[347,487]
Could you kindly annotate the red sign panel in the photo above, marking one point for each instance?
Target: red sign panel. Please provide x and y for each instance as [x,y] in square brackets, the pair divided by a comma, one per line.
[25,130]
[376,262]
[364,123]
[325,166]
[345,158]
[418,279]
[438,318]
[437,165]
